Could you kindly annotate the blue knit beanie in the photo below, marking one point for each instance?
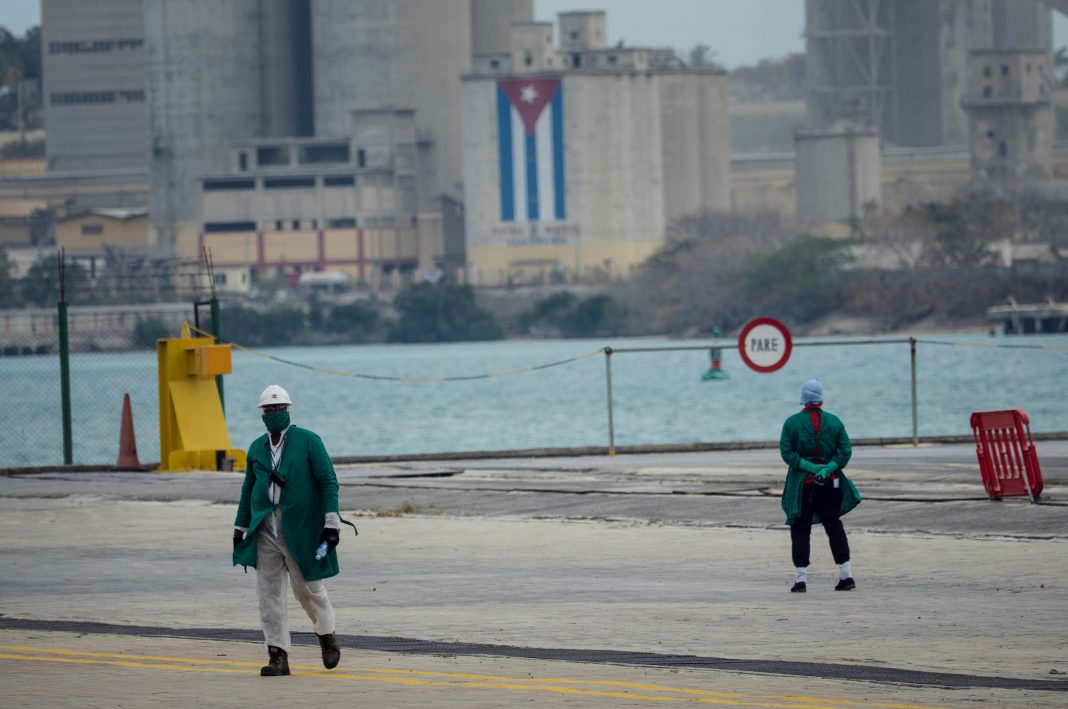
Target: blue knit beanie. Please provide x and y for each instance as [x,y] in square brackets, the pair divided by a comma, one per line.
[812,392]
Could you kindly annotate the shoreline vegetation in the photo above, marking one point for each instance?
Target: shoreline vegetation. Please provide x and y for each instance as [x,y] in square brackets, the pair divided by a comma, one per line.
[508,315]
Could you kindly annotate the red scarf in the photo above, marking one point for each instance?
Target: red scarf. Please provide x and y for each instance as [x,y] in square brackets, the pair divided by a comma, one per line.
[814,411]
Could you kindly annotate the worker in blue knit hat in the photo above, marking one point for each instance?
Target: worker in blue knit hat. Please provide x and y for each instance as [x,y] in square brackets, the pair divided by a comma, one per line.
[815,445]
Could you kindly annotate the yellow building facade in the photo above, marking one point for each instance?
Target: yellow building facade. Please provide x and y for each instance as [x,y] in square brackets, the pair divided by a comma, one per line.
[91,231]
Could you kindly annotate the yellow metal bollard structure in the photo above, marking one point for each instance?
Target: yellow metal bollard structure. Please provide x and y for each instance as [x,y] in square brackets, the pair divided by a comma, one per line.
[192,426]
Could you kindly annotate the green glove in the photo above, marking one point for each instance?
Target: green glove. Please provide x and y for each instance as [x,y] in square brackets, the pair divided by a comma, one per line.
[825,472]
[808,466]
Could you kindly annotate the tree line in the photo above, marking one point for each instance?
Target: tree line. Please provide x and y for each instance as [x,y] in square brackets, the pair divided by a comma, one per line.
[934,260]
[20,60]
[445,311]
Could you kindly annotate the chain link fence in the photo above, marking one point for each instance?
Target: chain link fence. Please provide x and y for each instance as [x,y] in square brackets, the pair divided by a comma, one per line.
[29,368]
[110,352]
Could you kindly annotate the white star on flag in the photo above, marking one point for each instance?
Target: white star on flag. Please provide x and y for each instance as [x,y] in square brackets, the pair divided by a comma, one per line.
[528,93]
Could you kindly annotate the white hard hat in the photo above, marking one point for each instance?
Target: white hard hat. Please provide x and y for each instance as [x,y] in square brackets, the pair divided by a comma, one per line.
[274,394]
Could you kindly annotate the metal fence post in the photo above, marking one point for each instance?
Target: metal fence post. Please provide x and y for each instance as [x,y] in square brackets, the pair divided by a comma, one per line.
[64,364]
[216,329]
[912,364]
[608,377]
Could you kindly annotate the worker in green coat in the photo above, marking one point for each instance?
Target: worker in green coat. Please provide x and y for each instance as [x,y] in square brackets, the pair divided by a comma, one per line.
[287,525]
[815,445]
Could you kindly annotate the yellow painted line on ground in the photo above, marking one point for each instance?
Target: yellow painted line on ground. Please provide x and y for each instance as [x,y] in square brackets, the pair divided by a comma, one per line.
[807,700]
[126,656]
[561,680]
[847,702]
[119,663]
[452,680]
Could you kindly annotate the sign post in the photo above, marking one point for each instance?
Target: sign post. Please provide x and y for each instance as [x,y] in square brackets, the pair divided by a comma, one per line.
[765,345]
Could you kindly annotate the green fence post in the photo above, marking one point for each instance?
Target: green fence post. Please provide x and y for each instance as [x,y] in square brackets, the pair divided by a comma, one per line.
[216,329]
[64,366]
[608,377]
[912,362]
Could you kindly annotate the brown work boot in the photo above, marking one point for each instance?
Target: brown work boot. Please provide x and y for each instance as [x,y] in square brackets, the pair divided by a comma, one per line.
[277,664]
[331,652]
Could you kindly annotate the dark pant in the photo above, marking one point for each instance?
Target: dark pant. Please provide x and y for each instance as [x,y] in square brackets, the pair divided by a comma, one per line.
[826,501]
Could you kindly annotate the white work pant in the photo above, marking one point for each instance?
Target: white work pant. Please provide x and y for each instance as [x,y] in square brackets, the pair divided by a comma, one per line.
[273,564]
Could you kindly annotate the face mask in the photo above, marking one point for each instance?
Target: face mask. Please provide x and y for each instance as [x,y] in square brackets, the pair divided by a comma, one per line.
[276,421]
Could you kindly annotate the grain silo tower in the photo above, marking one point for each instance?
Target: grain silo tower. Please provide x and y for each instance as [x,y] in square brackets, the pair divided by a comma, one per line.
[216,73]
[838,173]
[491,24]
[1010,93]
[286,67]
[402,54]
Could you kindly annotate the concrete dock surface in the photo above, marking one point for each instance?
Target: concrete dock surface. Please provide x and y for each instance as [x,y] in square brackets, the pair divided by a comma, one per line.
[600,581]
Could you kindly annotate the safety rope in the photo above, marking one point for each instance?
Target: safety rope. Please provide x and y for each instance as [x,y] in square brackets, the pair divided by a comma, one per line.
[384,378]
[992,345]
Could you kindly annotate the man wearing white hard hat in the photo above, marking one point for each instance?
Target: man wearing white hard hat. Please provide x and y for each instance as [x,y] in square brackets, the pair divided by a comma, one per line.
[815,445]
[288,509]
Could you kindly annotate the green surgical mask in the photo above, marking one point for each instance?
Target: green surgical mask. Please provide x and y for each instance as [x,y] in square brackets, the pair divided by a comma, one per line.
[276,421]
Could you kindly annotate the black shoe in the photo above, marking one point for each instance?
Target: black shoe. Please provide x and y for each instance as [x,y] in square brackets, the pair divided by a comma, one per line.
[799,587]
[846,584]
[331,652]
[277,663]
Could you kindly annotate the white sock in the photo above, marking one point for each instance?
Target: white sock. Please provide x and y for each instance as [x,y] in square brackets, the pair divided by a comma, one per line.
[801,574]
[844,571]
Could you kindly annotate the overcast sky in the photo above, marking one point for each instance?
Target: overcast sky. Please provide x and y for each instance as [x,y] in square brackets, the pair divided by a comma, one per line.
[738,32]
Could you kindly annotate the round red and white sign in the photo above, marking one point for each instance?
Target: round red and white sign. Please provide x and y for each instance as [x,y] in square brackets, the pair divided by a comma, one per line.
[765,344]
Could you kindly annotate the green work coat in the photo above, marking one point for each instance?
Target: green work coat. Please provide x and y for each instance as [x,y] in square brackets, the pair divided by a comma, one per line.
[799,440]
[309,493]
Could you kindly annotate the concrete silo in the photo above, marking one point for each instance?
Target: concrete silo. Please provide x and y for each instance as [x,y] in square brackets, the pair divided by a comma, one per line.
[1020,24]
[491,24]
[285,66]
[838,173]
[406,54]
[203,79]
[1010,92]
[695,140]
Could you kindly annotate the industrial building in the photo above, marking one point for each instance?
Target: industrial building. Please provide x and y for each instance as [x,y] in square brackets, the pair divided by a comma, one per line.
[1010,104]
[577,155]
[325,133]
[902,67]
[380,138]
[293,205]
[85,233]
[944,72]
[93,57]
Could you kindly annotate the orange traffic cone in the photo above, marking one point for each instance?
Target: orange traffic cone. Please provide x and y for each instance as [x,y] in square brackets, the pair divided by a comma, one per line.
[127,441]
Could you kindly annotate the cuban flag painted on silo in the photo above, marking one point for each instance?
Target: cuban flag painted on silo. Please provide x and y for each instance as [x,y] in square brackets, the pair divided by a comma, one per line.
[530,141]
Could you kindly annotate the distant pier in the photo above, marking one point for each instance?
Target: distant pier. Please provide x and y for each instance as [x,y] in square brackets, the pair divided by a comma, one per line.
[92,328]
[1027,319]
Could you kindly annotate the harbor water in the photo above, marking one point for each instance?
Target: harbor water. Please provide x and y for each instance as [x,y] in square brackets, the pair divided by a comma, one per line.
[658,397]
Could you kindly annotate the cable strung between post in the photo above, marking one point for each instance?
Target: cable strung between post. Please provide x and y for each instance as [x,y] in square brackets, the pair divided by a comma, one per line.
[386,378]
[992,345]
